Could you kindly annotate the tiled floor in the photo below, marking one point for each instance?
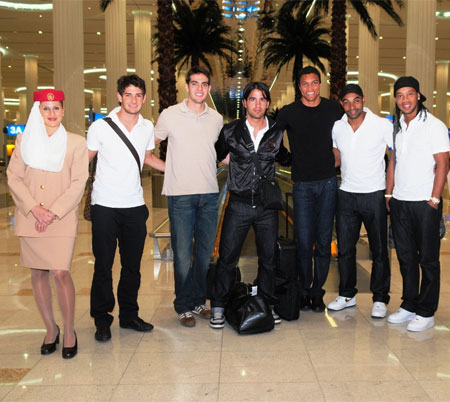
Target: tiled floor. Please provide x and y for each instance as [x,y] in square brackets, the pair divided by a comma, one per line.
[340,356]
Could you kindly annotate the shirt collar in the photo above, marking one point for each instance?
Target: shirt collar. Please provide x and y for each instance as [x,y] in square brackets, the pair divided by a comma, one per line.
[113,115]
[184,108]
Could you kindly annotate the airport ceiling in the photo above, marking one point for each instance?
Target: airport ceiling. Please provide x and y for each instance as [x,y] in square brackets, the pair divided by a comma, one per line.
[30,32]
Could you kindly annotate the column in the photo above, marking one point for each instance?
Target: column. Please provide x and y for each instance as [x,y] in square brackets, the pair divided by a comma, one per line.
[97,100]
[421,46]
[441,111]
[31,80]
[115,48]
[68,55]
[2,112]
[368,60]
[391,98]
[22,109]
[143,55]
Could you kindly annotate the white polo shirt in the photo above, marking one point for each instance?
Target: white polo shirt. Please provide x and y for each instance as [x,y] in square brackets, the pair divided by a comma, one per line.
[362,152]
[117,178]
[415,146]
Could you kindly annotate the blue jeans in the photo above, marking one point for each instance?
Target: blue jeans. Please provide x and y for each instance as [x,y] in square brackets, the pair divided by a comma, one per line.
[314,208]
[352,210]
[193,225]
[239,217]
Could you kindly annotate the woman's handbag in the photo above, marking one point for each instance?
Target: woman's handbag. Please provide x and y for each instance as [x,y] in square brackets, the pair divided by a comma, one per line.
[248,313]
[90,184]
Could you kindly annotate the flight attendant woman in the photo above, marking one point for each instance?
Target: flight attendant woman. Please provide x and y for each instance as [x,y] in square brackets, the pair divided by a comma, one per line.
[47,175]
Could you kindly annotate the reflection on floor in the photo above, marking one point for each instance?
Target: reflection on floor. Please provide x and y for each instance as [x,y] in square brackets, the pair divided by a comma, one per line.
[340,356]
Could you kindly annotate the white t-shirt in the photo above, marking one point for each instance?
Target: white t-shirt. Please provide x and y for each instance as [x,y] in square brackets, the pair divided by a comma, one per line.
[414,150]
[117,179]
[362,152]
[259,134]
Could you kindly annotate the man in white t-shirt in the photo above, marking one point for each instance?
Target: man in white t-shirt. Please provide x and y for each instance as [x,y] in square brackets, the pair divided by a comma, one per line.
[118,210]
[415,180]
[360,139]
[190,183]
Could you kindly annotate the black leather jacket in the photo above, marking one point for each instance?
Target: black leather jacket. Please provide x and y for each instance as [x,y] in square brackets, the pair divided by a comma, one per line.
[243,180]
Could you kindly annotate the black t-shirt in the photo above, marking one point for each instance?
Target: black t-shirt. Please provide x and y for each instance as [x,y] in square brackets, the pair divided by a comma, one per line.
[309,133]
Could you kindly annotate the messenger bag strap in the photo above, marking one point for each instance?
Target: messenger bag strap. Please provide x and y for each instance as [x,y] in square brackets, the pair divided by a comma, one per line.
[251,148]
[127,142]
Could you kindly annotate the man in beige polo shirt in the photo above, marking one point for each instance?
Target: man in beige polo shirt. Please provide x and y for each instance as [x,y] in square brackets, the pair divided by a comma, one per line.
[190,183]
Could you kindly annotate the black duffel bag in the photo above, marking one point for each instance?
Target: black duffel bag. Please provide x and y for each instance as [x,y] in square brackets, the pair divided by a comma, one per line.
[247,313]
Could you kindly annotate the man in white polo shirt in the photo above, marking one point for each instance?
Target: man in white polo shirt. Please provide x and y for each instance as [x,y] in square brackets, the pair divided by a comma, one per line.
[190,183]
[415,180]
[360,139]
[118,211]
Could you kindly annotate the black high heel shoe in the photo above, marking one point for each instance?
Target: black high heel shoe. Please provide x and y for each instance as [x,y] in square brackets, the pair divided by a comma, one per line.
[68,353]
[48,348]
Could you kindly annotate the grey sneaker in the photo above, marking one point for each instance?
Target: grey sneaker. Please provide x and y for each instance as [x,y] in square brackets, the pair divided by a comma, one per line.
[202,311]
[187,319]
[217,320]
[276,318]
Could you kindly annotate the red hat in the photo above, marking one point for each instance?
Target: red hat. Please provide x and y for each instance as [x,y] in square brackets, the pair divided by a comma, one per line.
[48,95]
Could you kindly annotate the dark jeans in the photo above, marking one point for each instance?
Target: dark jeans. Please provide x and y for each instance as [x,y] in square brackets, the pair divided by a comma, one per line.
[352,210]
[236,224]
[415,226]
[193,226]
[314,208]
[127,226]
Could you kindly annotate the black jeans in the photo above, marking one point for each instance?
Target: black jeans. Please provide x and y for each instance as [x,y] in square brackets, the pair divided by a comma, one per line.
[236,224]
[352,210]
[415,226]
[127,226]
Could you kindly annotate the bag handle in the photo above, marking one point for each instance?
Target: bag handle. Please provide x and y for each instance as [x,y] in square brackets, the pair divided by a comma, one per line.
[127,142]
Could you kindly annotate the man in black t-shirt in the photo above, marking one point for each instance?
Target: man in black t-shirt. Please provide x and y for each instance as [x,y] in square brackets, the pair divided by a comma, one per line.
[309,122]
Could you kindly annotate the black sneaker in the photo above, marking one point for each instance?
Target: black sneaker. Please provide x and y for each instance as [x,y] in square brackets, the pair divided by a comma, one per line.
[305,303]
[317,304]
[138,324]
[103,333]
[217,320]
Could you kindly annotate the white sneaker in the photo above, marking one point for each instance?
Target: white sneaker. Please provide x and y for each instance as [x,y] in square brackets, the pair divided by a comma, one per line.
[342,302]
[378,310]
[420,323]
[400,316]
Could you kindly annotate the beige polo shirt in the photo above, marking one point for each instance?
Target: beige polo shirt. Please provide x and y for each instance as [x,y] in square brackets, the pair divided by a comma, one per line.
[191,156]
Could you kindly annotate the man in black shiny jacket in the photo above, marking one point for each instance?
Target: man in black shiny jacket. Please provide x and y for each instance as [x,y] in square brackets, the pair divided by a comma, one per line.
[245,207]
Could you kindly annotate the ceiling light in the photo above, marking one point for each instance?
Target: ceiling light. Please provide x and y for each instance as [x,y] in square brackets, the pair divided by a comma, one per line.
[404,57]
[40,32]
[99,33]
[381,37]
[26,6]
[436,38]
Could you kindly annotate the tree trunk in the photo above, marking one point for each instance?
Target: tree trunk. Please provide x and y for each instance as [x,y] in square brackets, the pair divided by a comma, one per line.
[195,61]
[298,65]
[167,90]
[338,57]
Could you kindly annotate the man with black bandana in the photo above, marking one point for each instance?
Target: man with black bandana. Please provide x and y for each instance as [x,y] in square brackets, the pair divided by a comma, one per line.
[415,180]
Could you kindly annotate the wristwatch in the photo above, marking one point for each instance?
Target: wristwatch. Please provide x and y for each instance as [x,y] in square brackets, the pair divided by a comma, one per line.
[435,200]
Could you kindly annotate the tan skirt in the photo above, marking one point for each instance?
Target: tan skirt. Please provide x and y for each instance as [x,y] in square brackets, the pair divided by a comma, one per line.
[52,253]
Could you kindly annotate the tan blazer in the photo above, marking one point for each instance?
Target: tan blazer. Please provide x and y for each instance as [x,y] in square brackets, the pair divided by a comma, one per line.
[59,192]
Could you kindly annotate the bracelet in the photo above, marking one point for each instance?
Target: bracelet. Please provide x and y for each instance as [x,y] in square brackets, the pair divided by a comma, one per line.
[388,196]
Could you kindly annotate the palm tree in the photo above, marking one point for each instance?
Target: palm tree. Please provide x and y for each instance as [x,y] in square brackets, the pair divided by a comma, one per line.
[199,33]
[338,57]
[296,36]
